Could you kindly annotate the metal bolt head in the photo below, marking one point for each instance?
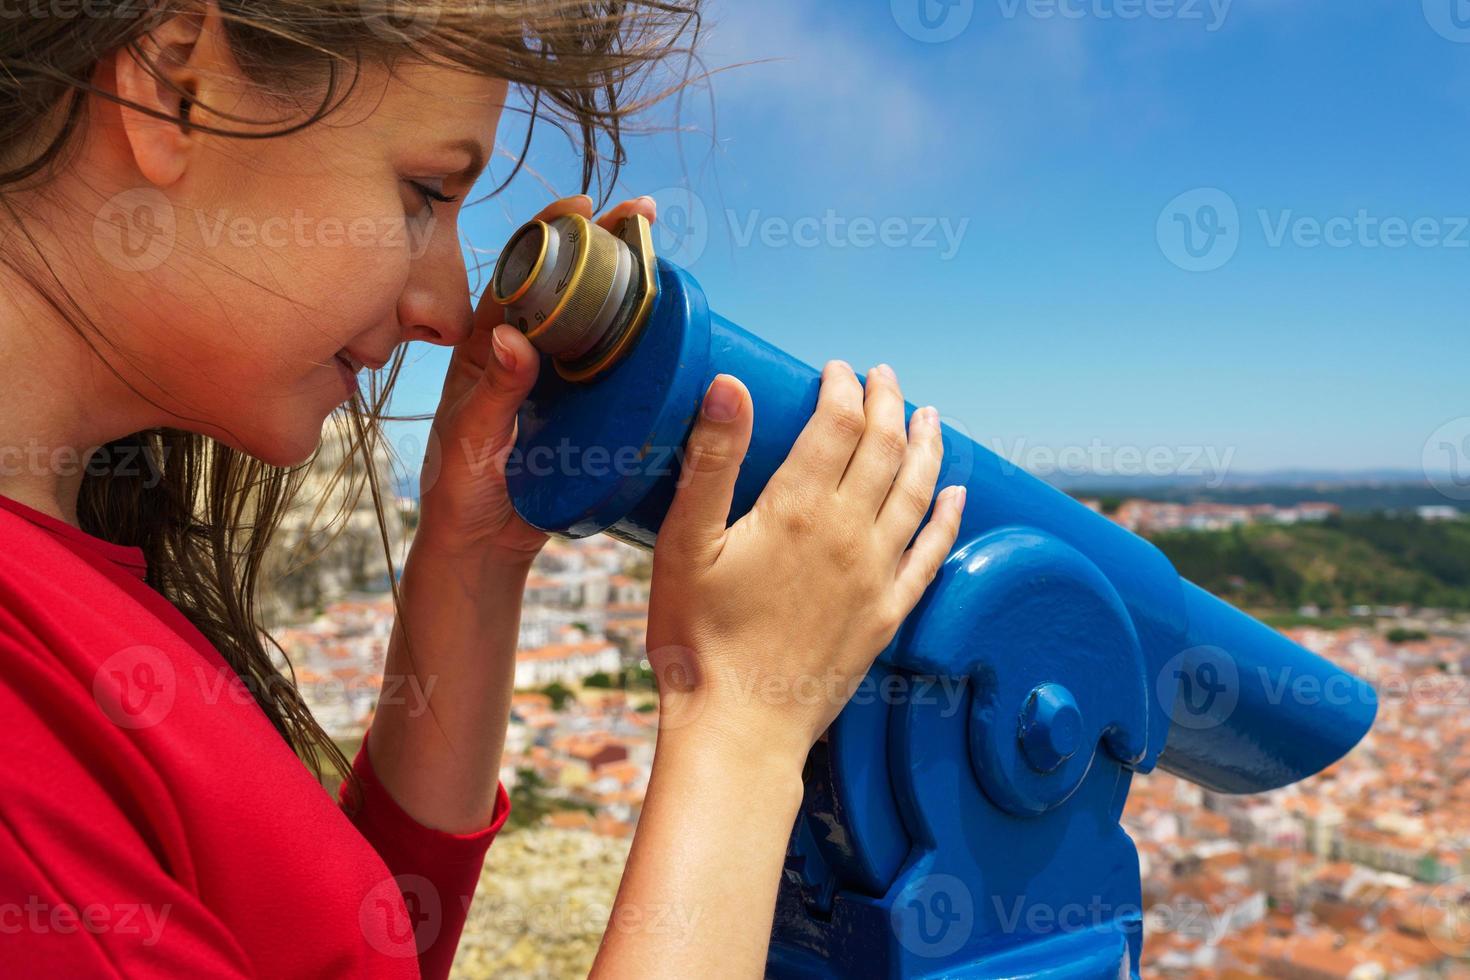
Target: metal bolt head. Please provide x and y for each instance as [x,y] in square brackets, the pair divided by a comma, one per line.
[1050,727]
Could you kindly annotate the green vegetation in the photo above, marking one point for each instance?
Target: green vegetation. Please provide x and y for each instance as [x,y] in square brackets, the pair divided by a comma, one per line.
[530,802]
[1290,620]
[559,694]
[638,679]
[627,679]
[1372,560]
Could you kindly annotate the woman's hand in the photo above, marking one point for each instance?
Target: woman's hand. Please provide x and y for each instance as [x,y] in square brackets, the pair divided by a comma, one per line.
[761,632]
[454,643]
[466,510]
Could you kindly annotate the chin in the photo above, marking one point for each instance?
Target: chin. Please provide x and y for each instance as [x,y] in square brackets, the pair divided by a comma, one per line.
[284,447]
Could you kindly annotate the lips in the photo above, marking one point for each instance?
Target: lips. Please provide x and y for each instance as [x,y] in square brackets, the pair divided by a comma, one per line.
[358,362]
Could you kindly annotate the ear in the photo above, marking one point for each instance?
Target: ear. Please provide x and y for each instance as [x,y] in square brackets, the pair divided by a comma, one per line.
[181,50]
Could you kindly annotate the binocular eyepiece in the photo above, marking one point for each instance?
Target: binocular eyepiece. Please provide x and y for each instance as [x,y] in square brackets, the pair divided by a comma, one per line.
[579,292]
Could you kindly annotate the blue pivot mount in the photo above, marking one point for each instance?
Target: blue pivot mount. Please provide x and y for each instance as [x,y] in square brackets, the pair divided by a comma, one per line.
[961,816]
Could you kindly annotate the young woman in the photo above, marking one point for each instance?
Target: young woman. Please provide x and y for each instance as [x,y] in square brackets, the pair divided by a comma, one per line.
[214,215]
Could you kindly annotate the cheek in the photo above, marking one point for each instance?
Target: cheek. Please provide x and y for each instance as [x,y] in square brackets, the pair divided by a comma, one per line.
[246,331]
[271,303]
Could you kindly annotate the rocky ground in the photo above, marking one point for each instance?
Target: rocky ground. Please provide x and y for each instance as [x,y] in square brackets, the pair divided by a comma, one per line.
[542,905]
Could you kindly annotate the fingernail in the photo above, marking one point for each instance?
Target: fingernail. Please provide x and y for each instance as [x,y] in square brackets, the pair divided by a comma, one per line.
[645,197]
[503,353]
[885,371]
[722,401]
[957,497]
[926,416]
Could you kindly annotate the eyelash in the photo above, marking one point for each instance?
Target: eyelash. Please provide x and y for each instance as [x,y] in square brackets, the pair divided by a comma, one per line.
[431,196]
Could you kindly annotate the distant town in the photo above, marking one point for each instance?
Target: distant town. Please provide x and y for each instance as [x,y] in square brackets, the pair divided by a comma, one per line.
[1361,872]
[1152,516]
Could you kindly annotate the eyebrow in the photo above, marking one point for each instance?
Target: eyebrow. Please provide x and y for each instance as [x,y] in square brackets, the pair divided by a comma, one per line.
[475,151]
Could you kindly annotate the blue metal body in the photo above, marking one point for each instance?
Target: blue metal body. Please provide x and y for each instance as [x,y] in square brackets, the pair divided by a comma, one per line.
[961,816]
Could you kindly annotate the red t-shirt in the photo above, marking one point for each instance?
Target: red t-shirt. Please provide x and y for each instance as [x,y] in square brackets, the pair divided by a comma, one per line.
[152,820]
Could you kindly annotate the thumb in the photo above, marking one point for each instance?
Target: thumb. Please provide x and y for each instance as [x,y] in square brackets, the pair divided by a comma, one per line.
[491,405]
[712,458]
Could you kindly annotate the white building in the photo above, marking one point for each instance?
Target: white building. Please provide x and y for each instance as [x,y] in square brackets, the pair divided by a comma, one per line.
[566,663]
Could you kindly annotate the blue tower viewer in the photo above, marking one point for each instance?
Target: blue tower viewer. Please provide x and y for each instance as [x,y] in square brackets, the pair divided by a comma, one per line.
[961,817]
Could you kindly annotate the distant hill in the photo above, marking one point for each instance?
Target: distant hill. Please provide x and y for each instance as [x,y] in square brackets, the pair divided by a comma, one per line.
[1234,479]
[1358,495]
[1371,559]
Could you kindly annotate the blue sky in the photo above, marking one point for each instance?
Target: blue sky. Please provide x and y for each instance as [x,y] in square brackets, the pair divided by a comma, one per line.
[1001,214]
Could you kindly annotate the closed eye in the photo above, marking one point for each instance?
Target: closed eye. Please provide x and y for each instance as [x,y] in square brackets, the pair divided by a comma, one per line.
[432,195]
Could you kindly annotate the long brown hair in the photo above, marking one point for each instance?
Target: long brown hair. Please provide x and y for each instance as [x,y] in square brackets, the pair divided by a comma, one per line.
[203,512]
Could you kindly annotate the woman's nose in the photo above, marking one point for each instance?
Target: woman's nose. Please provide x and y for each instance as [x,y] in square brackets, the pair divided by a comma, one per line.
[435,303]
[436,312]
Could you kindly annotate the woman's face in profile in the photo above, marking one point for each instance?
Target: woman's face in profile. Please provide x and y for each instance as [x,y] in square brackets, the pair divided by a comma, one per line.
[235,289]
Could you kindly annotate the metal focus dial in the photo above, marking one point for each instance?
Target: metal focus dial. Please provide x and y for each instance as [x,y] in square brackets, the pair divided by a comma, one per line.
[577,291]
